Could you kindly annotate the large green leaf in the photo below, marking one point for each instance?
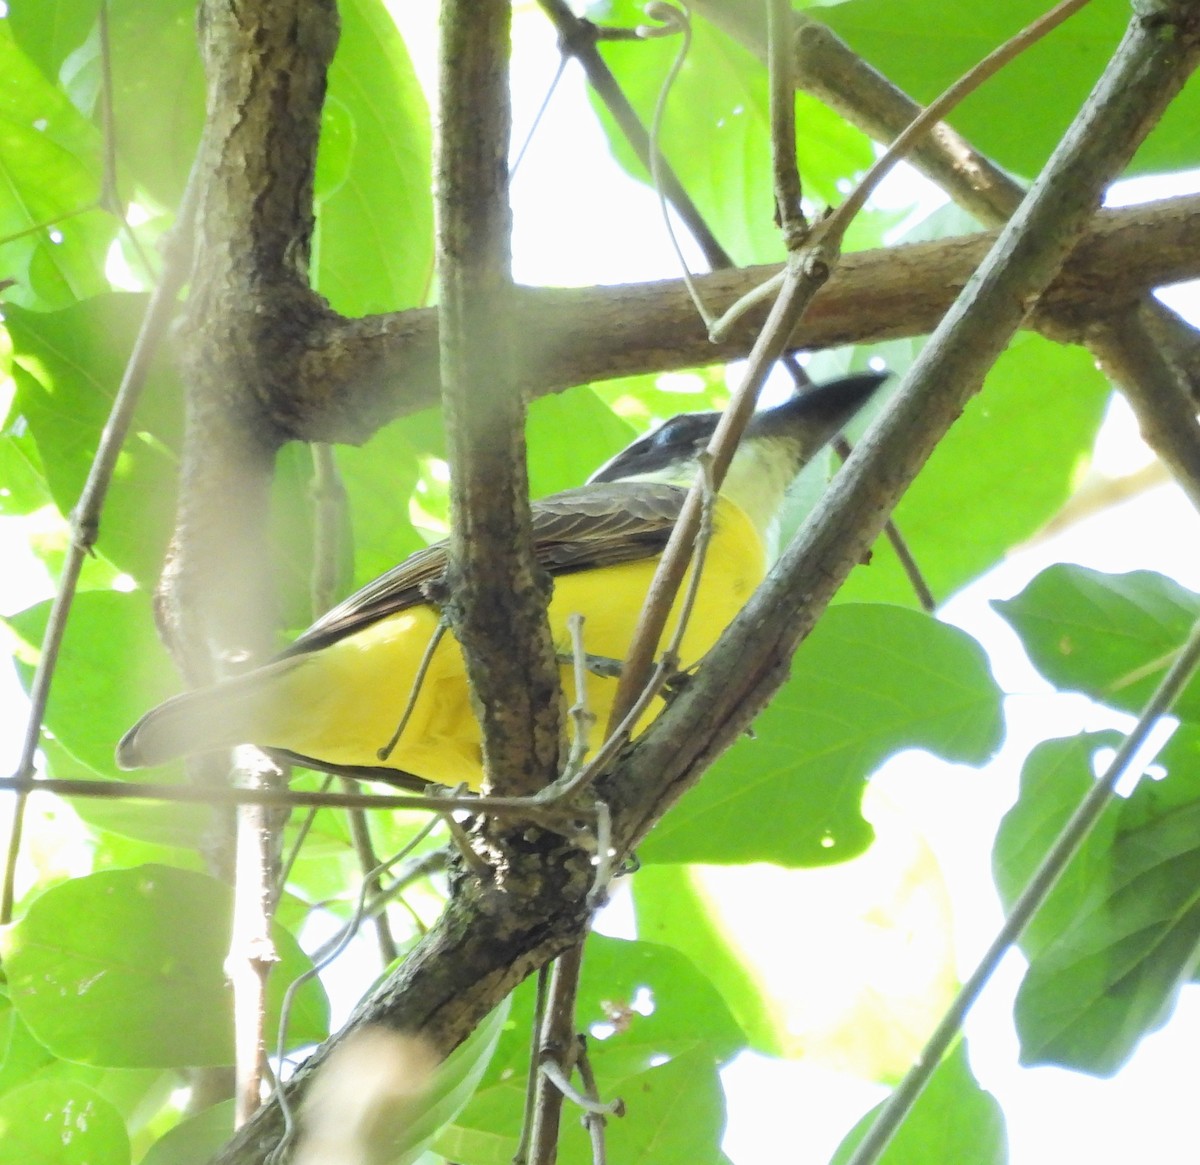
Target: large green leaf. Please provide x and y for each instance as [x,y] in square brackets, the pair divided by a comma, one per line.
[1017,116]
[670,911]
[60,1122]
[1121,931]
[52,239]
[140,953]
[373,249]
[1112,636]
[68,366]
[196,1140]
[716,131]
[954,1119]
[1002,472]
[642,1004]
[50,30]
[108,634]
[869,681]
[570,436]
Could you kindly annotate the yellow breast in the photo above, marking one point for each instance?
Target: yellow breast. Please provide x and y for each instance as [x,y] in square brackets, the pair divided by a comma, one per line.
[341,704]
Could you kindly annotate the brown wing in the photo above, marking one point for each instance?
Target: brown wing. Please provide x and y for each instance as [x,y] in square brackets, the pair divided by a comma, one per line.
[594,525]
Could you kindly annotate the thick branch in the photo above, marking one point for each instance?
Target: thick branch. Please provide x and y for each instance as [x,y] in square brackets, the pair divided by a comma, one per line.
[248,311]
[496,592]
[360,373]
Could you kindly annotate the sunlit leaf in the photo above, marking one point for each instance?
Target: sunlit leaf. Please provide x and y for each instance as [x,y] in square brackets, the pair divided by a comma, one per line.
[954,1119]
[68,366]
[1112,636]
[869,681]
[373,248]
[1005,468]
[140,953]
[52,240]
[1018,115]
[61,1122]
[1121,931]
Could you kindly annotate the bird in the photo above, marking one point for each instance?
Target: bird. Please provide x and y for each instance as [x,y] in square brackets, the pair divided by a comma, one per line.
[381,659]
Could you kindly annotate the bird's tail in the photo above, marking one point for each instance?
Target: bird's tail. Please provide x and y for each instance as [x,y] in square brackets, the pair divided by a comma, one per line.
[196,722]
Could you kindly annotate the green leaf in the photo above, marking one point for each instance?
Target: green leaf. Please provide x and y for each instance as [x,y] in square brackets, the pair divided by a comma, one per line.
[642,1003]
[675,1112]
[716,131]
[570,436]
[196,1140]
[1056,776]
[1018,116]
[1120,933]
[671,911]
[52,239]
[140,953]
[109,633]
[50,30]
[68,366]
[373,248]
[1112,636]
[869,681]
[158,92]
[60,1122]
[954,1119]
[978,496]
[22,1058]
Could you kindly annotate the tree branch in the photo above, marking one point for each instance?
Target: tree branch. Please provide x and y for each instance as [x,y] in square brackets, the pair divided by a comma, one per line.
[496,593]
[1140,345]
[250,303]
[358,374]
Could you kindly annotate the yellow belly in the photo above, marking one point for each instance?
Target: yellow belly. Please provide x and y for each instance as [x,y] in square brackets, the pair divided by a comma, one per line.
[341,704]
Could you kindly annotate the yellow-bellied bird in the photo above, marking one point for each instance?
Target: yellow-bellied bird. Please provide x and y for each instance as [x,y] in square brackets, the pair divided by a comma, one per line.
[336,696]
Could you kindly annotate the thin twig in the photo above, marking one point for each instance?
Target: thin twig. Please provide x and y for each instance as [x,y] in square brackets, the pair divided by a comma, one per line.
[788,212]
[556,1045]
[415,691]
[368,864]
[1043,880]
[806,271]
[899,546]
[577,38]
[533,1076]
[674,20]
[290,860]
[832,230]
[555,1074]
[415,869]
[580,716]
[564,789]
[537,117]
[595,1121]
[85,517]
[836,225]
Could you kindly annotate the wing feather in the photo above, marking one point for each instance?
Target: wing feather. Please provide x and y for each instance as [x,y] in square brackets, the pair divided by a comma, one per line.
[594,525]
